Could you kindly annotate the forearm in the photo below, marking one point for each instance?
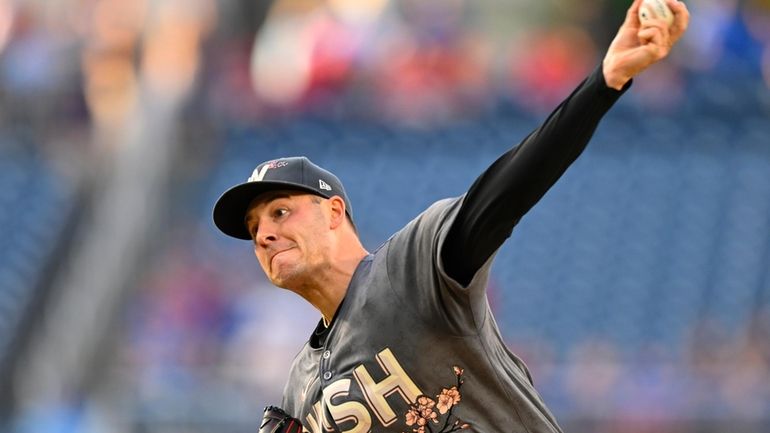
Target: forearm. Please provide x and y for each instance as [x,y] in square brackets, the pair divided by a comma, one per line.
[521,177]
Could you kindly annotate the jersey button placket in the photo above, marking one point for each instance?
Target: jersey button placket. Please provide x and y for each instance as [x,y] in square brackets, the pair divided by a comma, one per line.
[325,367]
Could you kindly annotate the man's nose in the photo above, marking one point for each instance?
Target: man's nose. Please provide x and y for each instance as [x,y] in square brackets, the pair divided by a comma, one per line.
[266,234]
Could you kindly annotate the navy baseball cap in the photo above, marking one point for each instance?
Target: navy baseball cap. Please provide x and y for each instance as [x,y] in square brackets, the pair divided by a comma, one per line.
[293,173]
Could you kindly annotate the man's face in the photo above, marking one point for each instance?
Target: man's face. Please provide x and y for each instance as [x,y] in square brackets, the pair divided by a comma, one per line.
[290,232]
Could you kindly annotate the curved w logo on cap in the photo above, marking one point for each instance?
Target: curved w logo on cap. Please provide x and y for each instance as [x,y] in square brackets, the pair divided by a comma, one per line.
[259,173]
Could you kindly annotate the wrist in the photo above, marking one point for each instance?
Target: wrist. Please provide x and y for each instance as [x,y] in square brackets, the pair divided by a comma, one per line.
[612,78]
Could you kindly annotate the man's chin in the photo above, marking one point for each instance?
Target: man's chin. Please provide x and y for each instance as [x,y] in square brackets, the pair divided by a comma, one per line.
[285,279]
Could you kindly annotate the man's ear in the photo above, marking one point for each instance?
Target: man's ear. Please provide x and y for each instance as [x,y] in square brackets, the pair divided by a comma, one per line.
[336,211]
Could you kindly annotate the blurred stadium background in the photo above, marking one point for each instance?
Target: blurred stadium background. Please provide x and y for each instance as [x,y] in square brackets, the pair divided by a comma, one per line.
[638,290]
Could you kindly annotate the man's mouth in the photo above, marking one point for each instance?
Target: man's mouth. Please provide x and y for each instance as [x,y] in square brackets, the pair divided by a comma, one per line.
[278,253]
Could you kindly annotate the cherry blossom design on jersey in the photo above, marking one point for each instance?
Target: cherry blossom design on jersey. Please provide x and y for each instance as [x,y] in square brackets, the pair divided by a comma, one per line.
[426,411]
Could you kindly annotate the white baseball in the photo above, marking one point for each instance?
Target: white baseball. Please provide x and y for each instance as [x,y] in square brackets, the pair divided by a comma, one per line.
[655,9]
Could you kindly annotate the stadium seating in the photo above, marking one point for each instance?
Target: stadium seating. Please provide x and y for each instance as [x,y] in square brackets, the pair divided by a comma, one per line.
[34,201]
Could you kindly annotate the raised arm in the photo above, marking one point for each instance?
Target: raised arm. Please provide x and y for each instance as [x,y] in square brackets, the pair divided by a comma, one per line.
[521,177]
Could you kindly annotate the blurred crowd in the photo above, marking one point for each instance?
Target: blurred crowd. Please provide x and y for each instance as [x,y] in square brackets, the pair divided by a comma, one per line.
[203,321]
[714,377]
[419,61]
[413,61]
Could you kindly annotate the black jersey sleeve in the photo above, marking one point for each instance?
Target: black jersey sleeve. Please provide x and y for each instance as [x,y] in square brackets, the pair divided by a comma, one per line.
[520,177]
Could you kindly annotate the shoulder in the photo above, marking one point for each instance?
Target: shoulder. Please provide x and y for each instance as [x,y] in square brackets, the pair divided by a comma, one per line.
[436,216]
[417,242]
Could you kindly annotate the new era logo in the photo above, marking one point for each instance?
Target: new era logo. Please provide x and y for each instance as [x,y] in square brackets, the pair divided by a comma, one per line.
[324,185]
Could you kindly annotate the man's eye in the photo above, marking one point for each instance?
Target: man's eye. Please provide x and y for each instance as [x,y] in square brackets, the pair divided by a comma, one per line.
[280,212]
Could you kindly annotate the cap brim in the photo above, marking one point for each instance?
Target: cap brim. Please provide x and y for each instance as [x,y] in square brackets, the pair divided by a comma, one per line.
[230,209]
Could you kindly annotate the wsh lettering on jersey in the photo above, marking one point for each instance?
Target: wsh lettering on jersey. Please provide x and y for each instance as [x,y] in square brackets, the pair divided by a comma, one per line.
[353,416]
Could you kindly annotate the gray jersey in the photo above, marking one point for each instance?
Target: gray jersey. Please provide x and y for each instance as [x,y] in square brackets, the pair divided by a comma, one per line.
[410,350]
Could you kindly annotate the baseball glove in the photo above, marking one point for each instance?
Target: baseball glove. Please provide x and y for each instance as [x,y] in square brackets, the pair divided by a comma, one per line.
[275,420]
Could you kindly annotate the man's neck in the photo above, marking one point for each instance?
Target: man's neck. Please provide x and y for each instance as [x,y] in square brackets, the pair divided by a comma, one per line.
[328,287]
